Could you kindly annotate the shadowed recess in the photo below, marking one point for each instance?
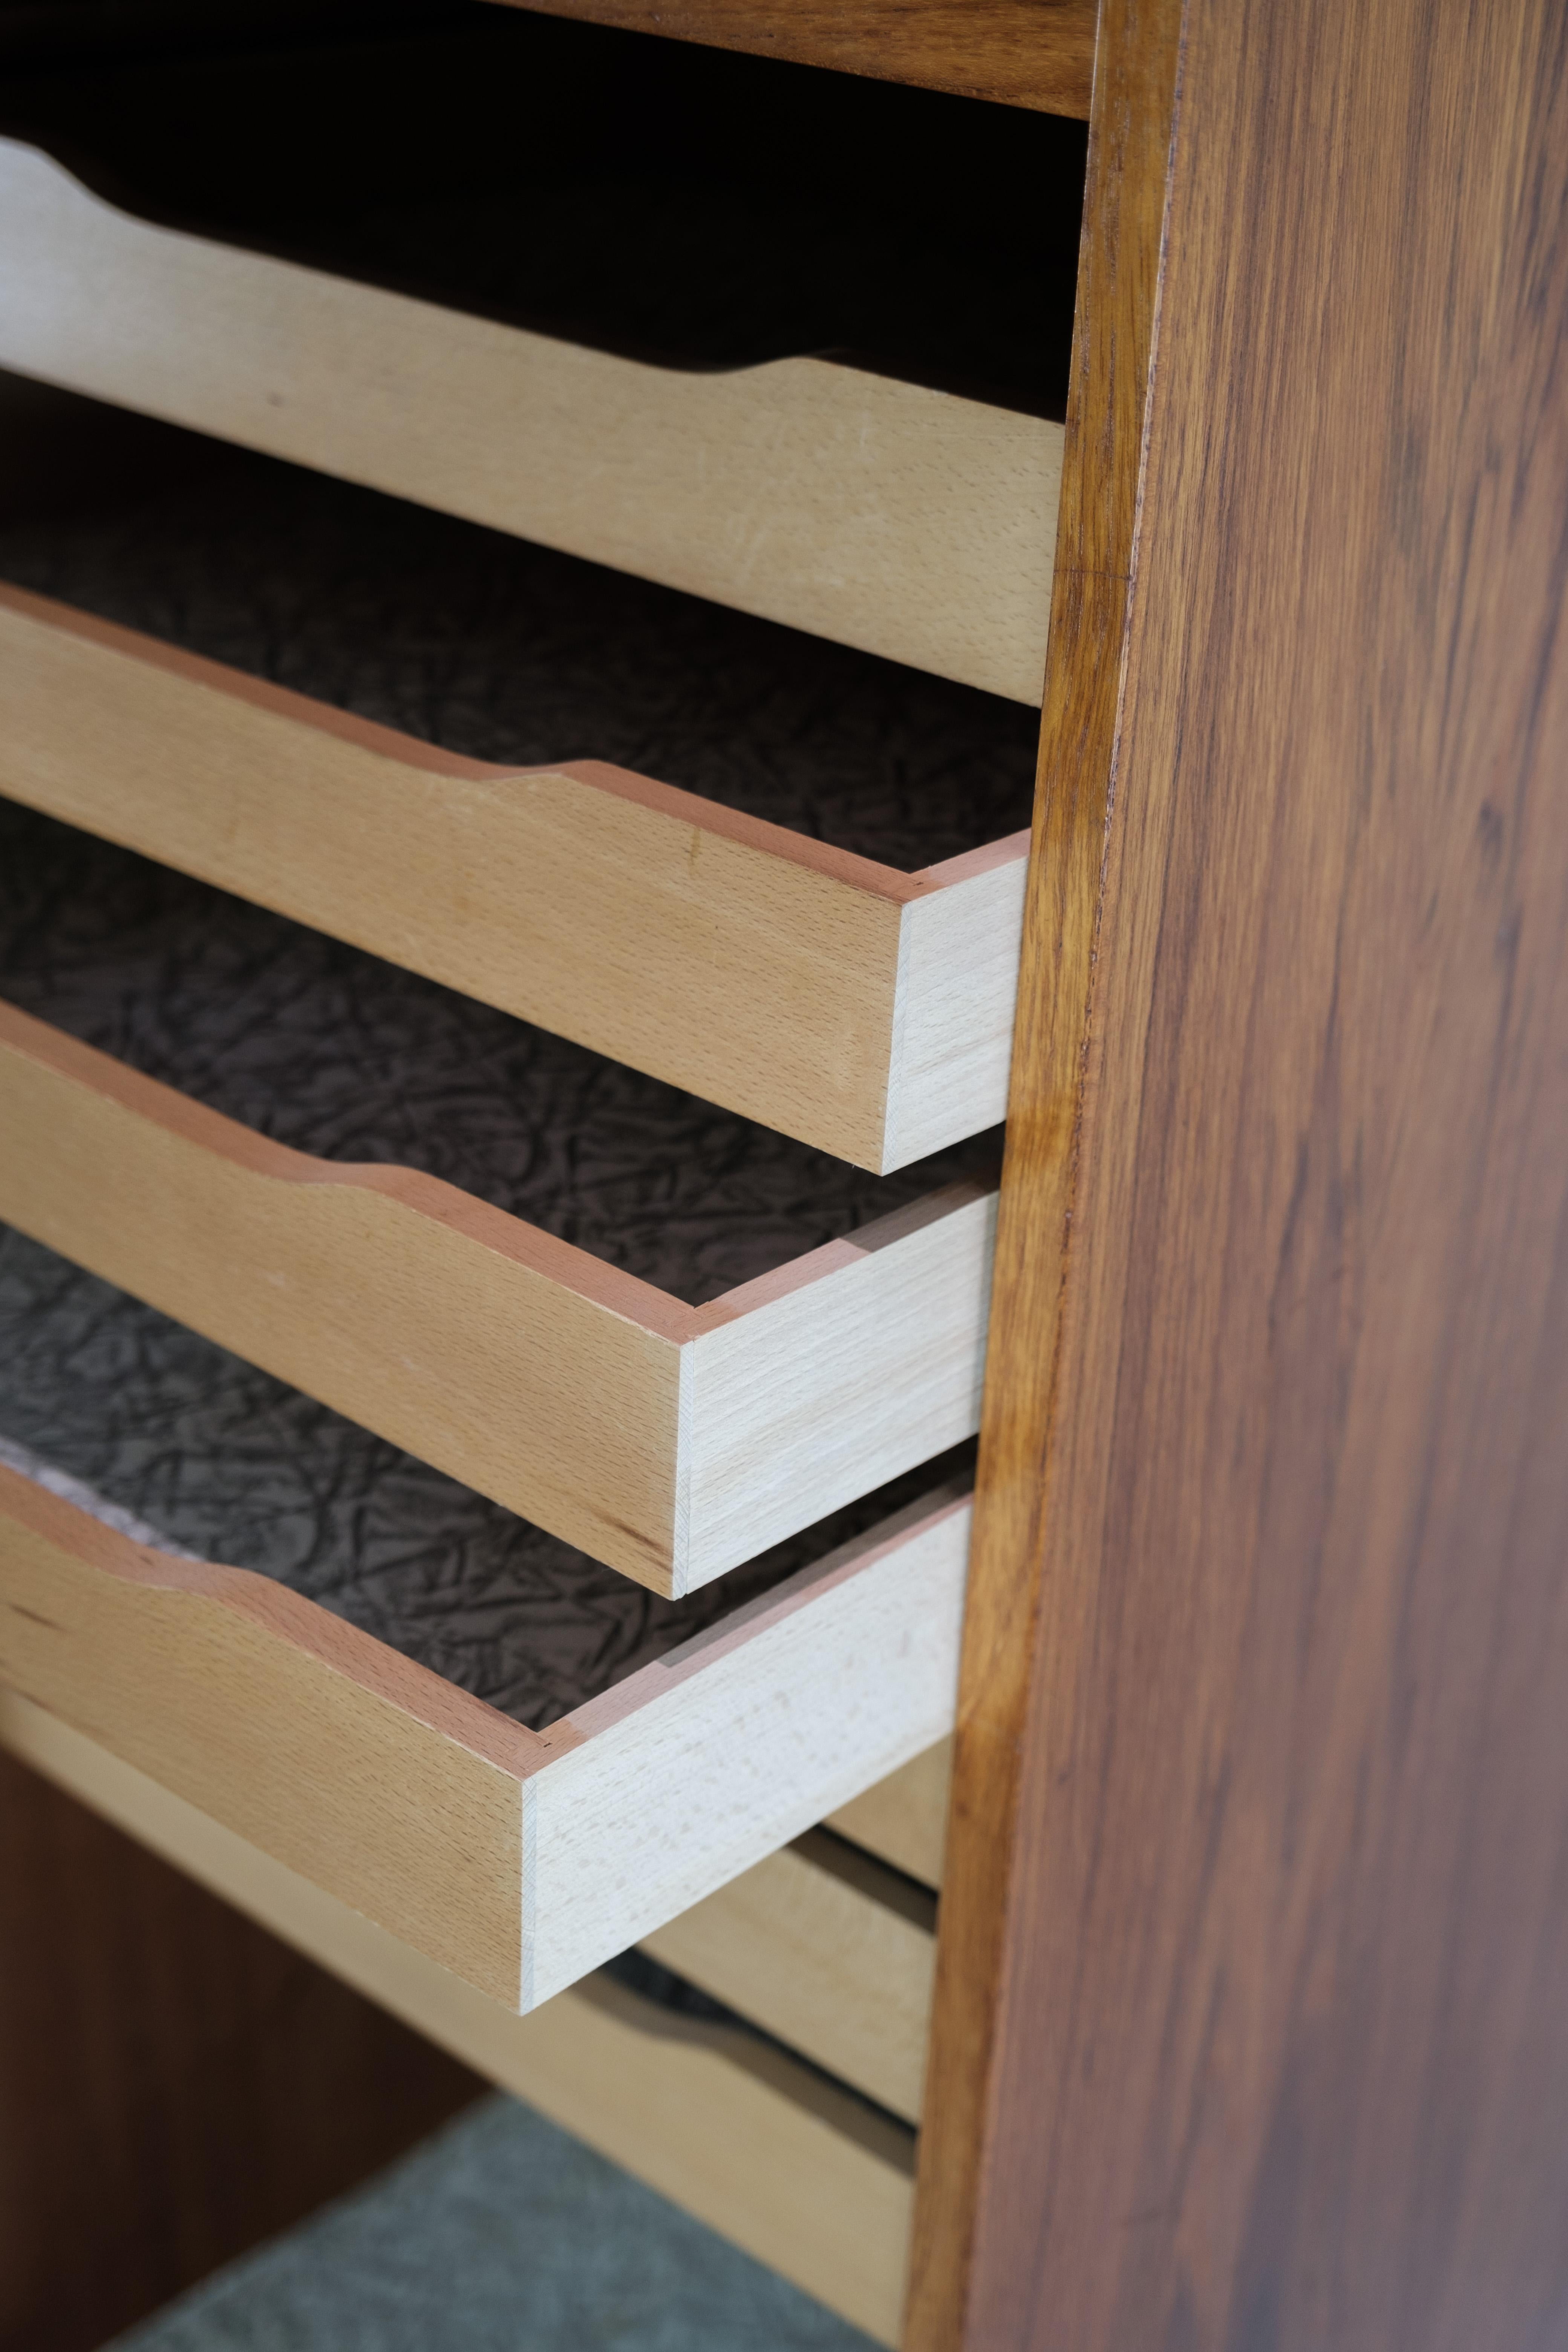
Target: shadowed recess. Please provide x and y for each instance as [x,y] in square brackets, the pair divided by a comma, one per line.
[678,205]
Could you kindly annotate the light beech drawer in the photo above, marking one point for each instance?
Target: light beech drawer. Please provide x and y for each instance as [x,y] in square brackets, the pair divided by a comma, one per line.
[907,521]
[866,1009]
[670,1441]
[516,1759]
[671,1426]
[519,1859]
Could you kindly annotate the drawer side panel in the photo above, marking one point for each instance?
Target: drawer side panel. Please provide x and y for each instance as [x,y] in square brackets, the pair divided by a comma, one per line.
[493,1371]
[837,1383]
[337,1780]
[902,521]
[746,974]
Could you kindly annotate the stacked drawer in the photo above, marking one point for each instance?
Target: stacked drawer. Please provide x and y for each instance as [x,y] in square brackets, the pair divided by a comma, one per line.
[499,1066]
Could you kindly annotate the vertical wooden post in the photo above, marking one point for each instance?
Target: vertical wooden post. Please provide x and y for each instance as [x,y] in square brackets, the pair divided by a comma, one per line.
[1130,146]
[1251,2029]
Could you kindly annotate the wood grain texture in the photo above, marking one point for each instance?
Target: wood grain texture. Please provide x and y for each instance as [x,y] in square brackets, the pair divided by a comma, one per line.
[1034,53]
[364,1772]
[1280,2057]
[1136,79]
[518,1860]
[670,1441]
[692,1768]
[812,1385]
[756,2146]
[176,2085]
[906,521]
[828,1950]
[960,940]
[865,1011]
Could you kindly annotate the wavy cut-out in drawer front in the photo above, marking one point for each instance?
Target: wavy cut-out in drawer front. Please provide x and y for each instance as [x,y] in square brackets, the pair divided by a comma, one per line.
[906,521]
[865,1011]
[517,1859]
[671,1441]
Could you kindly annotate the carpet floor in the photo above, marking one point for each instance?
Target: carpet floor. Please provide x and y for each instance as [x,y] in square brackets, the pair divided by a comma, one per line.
[501,2234]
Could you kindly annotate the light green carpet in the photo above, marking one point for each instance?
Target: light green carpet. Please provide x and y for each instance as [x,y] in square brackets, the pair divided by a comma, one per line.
[501,2234]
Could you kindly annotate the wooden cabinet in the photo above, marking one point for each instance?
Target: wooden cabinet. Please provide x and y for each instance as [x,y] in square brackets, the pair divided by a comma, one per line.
[710,1315]
[1246,2026]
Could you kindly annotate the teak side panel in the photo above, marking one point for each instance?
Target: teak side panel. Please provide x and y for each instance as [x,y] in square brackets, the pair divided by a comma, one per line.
[909,522]
[1034,53]
[865,1011]
[519,1861]
[768,2155]
[1281,2055]
[670,1441]
[1136,79]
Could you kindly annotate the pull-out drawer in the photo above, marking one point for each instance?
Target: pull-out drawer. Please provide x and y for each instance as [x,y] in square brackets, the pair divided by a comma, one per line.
[673,1413]
[364,1703]
[786,876]
[668,1440]
[866,1009]
[909,522]
[519,1859]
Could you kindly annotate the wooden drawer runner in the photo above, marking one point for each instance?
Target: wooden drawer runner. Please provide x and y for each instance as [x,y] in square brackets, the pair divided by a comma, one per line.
[905,520]
[828,1950]
[672,1435]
